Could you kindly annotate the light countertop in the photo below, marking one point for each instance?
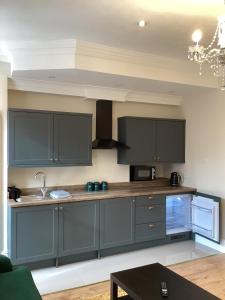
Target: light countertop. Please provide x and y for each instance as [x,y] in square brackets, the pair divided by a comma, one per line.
[114,191]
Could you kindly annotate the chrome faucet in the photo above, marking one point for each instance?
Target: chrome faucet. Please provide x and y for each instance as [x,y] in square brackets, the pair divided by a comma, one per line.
[44,189]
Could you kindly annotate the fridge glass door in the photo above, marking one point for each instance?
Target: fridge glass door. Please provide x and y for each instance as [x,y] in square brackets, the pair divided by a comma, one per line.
[205,217]
[178,213]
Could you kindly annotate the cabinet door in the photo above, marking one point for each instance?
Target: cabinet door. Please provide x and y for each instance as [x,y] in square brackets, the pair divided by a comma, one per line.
[33,233]
[116,222]
[72,139]
[205,216]
[170,141]
[139,135]
[150,218]
[30,138]
[150,231]
[78,227]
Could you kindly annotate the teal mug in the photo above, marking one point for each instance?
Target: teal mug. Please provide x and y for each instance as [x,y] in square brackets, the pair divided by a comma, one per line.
[104,186]
[96,186]
[89,187]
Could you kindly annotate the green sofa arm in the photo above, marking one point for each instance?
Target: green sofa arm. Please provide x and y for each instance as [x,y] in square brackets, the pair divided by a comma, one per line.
[5,264]
[18,285]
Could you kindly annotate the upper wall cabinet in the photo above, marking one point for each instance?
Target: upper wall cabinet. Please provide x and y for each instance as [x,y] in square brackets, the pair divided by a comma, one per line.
[151,140]
[40,138]
[73,139]
[170,141]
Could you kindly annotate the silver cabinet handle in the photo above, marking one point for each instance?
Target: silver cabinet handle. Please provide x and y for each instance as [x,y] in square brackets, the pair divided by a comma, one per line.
[151,225]
[51,159]
[56,208]
[133,200]
[150,197]
[155,158]
[61,208]
[158,157]
[56,159]
[150,207]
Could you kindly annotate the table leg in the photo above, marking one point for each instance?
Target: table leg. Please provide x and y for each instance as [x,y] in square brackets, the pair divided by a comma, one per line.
[114,291]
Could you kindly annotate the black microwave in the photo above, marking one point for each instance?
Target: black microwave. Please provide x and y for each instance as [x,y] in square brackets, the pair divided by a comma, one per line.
[142,173]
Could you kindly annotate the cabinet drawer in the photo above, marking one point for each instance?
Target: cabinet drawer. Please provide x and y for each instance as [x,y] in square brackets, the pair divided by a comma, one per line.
[150,213]
[148,200]
[150,231]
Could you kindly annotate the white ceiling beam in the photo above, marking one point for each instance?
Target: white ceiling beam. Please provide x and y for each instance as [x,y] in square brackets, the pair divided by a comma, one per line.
[76,54]
[92,92]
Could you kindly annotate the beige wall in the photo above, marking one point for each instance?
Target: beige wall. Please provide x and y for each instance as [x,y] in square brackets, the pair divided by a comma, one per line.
[205,145]
[105,165]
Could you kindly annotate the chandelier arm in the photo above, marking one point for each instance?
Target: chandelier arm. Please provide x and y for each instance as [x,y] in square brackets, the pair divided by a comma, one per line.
[213,39]
[213,54]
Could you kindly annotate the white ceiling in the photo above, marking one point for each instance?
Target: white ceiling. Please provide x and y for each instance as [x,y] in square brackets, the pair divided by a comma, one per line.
[112,81]
[170,22]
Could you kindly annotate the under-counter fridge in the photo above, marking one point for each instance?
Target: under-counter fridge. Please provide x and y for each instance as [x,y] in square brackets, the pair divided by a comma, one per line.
[198,213]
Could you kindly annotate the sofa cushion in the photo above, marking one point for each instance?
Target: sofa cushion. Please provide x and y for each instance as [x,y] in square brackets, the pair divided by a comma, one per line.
[18,285]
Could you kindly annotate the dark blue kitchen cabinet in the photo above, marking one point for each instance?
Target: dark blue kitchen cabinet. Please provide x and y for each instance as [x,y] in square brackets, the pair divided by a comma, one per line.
[33,233]
[170,141]
[43,138]
[30,137]
[139,135]
[43,232]
[151,140]
[72,139]
[150,218]
[78,227]
[116,222]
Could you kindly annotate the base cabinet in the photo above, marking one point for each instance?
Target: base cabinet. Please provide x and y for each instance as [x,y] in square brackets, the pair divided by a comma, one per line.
[116,222]
[78,227]
[33,233]
[43,232]
[150,218]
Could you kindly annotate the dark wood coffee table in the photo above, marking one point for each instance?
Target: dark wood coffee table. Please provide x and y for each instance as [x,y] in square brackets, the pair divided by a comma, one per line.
[143,283]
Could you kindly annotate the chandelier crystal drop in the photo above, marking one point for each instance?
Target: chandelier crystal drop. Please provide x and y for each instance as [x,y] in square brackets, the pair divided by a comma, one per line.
[213,54]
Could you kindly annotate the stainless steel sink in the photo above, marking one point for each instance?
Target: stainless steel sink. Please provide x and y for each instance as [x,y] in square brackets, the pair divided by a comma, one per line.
[32,198]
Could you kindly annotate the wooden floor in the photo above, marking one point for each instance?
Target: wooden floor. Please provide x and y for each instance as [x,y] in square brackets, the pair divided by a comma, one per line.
[208,273]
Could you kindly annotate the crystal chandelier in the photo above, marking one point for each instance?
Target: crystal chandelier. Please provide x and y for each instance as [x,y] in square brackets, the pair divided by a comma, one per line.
[213,54]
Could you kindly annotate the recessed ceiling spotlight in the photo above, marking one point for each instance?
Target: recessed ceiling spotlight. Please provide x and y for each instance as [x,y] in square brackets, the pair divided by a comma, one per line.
[142,23]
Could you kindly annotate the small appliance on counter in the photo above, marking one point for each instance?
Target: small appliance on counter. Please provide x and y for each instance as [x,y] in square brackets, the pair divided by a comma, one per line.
[175,179]
[142,173]
[14,193]
[96,186]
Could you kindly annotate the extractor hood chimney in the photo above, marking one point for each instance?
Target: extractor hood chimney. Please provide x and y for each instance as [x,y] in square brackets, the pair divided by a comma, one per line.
[104,127]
